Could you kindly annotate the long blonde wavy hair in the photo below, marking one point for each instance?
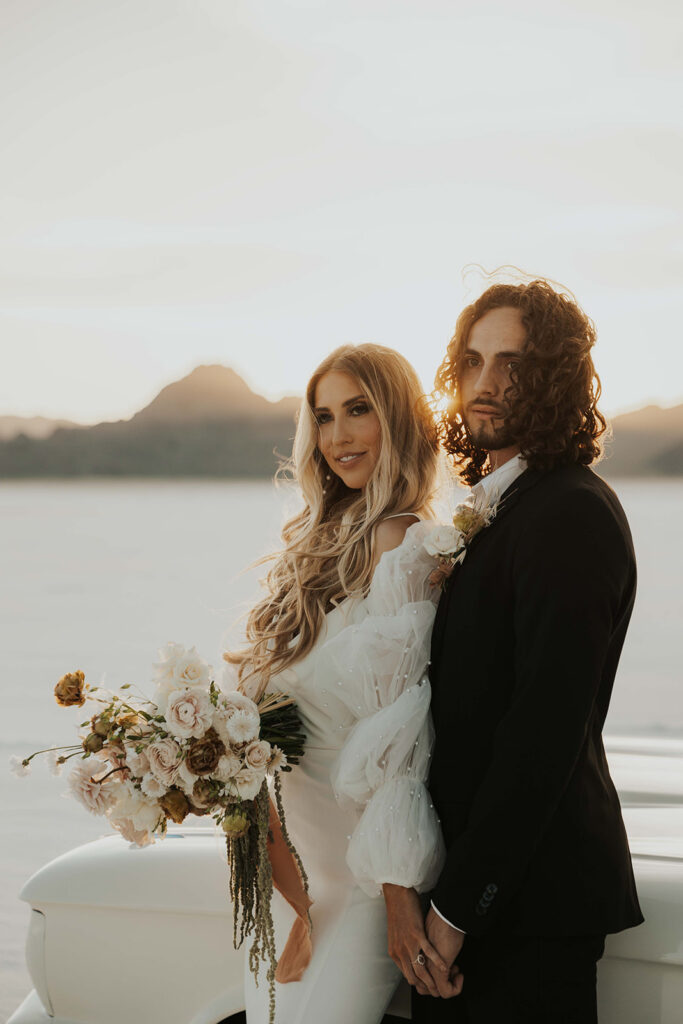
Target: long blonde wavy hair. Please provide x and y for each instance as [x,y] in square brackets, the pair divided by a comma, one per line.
[329,547]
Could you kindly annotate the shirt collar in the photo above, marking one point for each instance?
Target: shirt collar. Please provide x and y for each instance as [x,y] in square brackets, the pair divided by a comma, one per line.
[494,484]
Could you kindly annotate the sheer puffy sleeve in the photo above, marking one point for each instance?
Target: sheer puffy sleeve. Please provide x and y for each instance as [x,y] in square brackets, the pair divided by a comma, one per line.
[382,768]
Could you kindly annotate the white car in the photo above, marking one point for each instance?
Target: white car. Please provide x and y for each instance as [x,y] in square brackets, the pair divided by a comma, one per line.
[106,917]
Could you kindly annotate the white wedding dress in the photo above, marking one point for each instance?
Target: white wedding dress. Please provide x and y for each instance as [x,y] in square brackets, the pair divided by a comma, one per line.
[357,808]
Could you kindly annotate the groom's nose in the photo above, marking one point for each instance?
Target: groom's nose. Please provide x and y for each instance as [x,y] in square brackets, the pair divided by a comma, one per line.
[487,382]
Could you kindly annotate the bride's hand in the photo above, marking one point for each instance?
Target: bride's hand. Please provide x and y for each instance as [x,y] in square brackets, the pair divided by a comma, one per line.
[407,938]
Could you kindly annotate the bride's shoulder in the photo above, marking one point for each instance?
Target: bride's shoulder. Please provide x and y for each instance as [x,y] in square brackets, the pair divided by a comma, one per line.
[390,532]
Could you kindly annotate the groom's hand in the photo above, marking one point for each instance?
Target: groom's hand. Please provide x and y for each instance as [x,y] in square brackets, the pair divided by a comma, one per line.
[407,938]
[448,942]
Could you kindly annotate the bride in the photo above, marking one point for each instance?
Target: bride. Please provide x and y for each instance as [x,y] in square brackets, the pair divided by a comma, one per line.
[344,628]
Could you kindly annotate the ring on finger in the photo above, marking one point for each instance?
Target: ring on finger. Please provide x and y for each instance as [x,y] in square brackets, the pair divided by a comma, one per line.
[419,959]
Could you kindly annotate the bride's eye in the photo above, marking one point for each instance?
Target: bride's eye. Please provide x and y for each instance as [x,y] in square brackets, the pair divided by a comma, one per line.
[322,417]
[359,409]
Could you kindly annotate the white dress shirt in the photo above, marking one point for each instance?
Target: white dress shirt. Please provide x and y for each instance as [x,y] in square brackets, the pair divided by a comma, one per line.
[491,487]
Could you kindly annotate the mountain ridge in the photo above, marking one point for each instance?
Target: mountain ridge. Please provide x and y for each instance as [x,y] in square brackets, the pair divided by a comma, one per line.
[211,423]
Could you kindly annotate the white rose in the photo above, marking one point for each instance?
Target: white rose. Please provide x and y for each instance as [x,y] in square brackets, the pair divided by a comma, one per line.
[228,767]
[185,778]
[141,837]
[142,811]
[257,754]
[178,669]
[165,667]
[248,782]
[442,541]
[188,713]
[164,758]
[138,763]
[236,701]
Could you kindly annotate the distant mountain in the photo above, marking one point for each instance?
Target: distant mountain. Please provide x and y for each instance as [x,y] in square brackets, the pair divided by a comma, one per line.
[648,442]
[32,426]
[212,393]
[209,424]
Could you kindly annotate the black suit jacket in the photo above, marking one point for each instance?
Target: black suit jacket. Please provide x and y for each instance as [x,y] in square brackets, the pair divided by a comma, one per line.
[525,648]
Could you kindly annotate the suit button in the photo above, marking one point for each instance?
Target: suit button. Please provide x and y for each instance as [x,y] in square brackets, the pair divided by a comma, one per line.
[491,888]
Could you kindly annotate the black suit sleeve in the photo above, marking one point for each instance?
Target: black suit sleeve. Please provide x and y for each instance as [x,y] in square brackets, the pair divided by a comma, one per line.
[573,582]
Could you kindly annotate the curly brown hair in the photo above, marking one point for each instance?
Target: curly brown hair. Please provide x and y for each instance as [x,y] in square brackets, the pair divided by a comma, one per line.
[554,392]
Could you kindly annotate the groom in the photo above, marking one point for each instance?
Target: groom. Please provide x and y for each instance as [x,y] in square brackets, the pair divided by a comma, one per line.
[525,648]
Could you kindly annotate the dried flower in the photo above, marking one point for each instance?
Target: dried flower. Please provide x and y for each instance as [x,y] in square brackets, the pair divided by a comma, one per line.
[175,805]
[92,743]
[101,725]
[70,689]
[277,761]
[236,824]
[204,753]
[203,794]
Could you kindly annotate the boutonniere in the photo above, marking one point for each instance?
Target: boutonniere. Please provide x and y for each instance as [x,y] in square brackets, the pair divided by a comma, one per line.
[449,543]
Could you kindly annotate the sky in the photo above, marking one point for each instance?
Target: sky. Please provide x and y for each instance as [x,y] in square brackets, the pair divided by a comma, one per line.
[255,183]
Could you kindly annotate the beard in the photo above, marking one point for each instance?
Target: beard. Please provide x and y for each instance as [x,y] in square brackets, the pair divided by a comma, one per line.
[489,438]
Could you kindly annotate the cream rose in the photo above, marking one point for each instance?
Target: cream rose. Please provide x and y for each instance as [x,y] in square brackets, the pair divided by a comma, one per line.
[164,757]
[257,754]
[188,713]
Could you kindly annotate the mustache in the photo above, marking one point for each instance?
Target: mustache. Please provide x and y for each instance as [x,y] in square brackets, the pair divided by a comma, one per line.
[481,403]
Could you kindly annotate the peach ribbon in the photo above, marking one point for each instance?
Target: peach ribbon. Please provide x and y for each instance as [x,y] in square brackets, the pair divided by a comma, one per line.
[298,950]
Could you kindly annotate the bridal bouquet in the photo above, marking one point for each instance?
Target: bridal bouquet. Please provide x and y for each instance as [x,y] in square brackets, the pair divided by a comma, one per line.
[193,749]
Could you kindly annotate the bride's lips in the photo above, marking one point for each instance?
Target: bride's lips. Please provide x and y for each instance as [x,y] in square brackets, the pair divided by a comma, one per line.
[350,458]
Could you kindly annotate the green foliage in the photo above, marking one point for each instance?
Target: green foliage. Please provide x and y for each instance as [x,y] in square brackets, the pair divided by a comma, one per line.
[282,727]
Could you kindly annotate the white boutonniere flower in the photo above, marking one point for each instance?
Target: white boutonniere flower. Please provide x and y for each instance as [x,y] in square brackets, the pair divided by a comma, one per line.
[449,543]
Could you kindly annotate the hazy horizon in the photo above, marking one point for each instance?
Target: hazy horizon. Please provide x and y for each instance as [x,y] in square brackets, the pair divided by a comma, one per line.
[255,183]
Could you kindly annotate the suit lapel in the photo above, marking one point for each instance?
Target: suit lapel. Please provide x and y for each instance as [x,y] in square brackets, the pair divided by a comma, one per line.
[508,499]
